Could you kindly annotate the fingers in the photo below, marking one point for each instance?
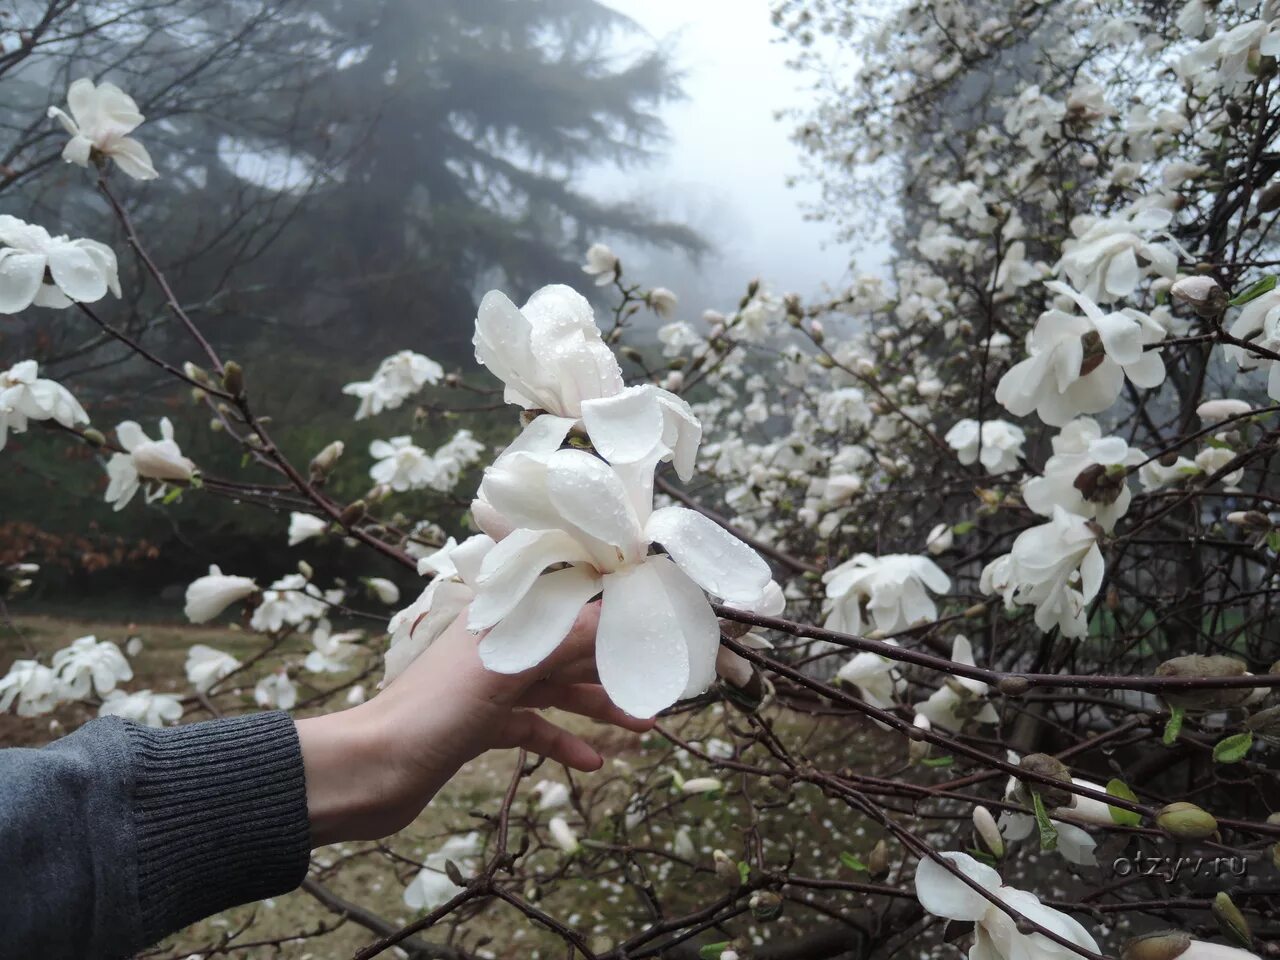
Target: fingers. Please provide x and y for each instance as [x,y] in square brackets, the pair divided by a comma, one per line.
[541,736]
[584,699]
[579,671]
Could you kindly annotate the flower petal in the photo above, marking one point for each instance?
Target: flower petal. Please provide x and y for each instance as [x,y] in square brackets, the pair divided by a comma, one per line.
[713,558]
[943,894]
[512,566]
[625,427]
[698,623]
[76,273]
[540,621]
[641,651]
[591,496]
[20,278]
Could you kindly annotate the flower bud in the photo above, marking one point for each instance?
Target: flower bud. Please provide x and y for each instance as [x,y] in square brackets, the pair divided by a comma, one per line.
[1249,518]
[1196,665]
[984,824]
[352,514]
[1045,766]
[454,874]
[198,374]
[563,835]
[93,437]
[726,869]
[702,785]
[1201,294]
[233,378]
[324,461]
[878,860]
[1164,945]
[765,905]
[1231,921]
[1013,686]
[1186,821]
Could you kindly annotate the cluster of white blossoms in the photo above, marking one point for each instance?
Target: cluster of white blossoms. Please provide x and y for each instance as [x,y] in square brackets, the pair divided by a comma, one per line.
[25,396]
[143,459]
[397,378]
[403,465]
[567,515]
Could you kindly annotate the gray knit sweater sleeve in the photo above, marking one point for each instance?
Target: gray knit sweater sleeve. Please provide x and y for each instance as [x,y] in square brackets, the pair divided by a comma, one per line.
[119,834]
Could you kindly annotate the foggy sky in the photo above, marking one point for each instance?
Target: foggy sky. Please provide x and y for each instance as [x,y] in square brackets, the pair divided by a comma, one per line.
[726,166]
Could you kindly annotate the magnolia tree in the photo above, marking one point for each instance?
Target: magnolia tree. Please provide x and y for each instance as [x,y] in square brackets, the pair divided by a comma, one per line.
[954,594]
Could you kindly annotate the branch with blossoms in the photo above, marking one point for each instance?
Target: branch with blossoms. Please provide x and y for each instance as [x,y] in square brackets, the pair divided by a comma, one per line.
[908,652]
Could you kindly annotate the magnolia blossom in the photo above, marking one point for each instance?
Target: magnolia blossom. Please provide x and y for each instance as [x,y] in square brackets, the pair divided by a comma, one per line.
[35,687]
[209,595]
[462,451]
[1102,260]
[1078,364]
[563,835]
[1085,475]
[1212,459]
[677,337]
[81,270]
[207,665]
[397,378]
[24,396]
[89,663]
[1074,842]
[1232,53]
[892,589]
[1056,566]
[996,934]
[101,120]
[456,567]
[552,358]
[383,589]
[142,706]
[998,449]
[552,794]
[147,459]
[402,464]
[275,691]
[432,886]
[662,301]
[333,651]
[304,526]
[292,600]
[940,539]
[1259,322]
[602,264]
[958,699]
[1215,411]
[657,637]
[1155,474]
[876,677]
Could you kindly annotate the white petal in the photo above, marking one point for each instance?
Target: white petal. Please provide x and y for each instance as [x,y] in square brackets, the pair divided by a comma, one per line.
[626,427]
[640,648]
[713,558]
[512,566]
[76,273]
[132,158]
[698,623]
[540,621]
[591,496]
[945,895]
[20,278]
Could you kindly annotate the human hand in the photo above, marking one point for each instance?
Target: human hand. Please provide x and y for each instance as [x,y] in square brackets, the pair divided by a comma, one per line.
[371,769]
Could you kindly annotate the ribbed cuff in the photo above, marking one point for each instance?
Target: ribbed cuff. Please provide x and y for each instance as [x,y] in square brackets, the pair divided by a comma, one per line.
[220,810]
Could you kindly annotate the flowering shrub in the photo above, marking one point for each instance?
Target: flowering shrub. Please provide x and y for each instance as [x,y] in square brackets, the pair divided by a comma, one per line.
[1065,400]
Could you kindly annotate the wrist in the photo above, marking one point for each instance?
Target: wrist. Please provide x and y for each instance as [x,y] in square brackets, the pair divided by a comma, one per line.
[344,759]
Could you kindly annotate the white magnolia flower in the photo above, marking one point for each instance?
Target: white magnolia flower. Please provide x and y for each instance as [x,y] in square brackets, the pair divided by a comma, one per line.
[662,301]
[34,686]
[940,539]
[984,824]
[81,270]
[1056,566]
[892,588]
[844,408]
[1155,475]
[958,699]
[401,464]
[551,357]
[657,636]
[1212,459]
[275,691]
[677,337]
[463,450]
[432,886]
[682,845]
[207,665]
[456,567]
[291,601]
[333,651]
[88,663]
[1074,842]
[1259,322]
[1102,260]
[101,119]
[1079,450]
[552,794]
[142,706]
[209,595]
[144,459]
[876,677]
[998,449]
[563,835]
[602,264]
[304,526]
[996,934]
[24,396]
[1215,411]
[383,589]
[1078,364]
[397,378]
[1225,59]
